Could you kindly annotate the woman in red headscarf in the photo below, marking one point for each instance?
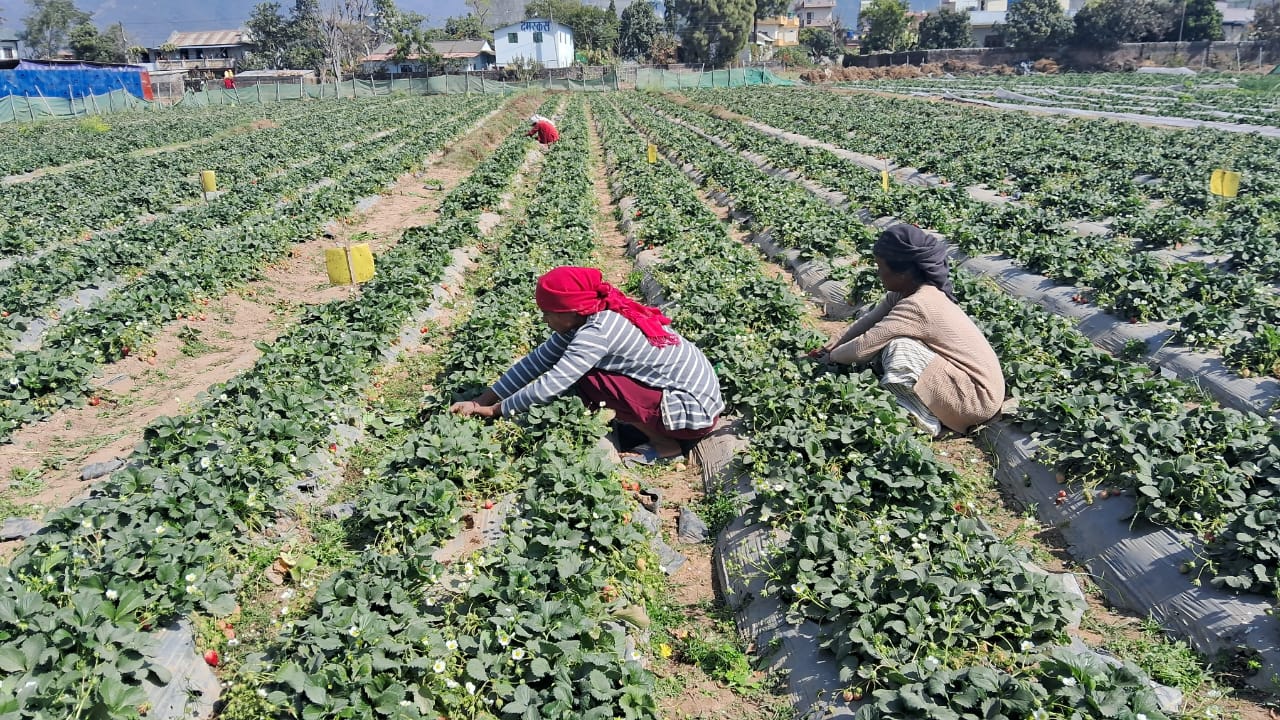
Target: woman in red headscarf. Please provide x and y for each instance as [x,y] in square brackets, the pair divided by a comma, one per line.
[615,352]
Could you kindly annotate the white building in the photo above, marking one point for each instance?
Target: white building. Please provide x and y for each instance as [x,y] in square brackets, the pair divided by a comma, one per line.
[815,13]
[8,44]
[979,5]
[539,41]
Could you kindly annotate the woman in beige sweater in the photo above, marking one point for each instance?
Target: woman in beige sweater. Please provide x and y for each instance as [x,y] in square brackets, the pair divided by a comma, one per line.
[930,355]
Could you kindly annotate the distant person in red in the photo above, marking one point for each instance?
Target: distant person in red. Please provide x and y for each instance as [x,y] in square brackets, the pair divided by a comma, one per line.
[544,129]
[229,80]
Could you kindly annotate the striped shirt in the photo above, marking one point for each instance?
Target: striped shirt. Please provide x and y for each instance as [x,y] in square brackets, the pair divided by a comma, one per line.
[690,389]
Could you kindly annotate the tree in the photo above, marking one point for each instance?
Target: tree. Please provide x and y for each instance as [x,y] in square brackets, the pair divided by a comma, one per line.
[48,25]
[1266,25]
[945,29]
[664,50]
[1034,24]
[109,46]
[306,36]
[884,25]
[466,27]
[1199,20]
[637,31]
[1107,23]
[819,42]
[481,8]
[713,31]
[269,31]
[771,8]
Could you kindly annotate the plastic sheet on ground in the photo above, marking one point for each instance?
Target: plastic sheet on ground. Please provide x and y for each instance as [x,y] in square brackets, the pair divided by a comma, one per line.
[1138,567]
[1255,395]
[193,688]
[1009,95]
[1177,122]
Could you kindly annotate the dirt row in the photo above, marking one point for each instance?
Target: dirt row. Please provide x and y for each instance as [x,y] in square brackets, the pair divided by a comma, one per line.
[44,461]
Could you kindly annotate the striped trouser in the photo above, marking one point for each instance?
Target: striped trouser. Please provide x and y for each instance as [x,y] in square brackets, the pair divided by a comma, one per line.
[903,360]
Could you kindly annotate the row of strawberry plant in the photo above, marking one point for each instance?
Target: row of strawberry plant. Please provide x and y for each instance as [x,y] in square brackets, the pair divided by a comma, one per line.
[1067,170]
[58,373]
[30,287]
[906,588]
[1108,93]
[64,205]
[1103,421]
[1232,313]
[28,147]
[153,542]
[520,628]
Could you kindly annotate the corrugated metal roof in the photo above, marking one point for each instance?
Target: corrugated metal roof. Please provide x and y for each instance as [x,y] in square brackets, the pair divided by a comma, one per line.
[209,38]
[447,49]
[469,47]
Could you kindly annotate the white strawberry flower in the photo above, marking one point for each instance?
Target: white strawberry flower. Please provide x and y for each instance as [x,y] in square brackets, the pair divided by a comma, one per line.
[517,654]
[438,666]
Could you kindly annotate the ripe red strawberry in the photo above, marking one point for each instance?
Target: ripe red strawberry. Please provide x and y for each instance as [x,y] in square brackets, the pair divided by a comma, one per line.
[211,657]
[333,447]
[488,504]
[95,401]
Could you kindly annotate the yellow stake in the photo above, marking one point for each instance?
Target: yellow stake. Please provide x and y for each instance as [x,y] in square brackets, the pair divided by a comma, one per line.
[653,153]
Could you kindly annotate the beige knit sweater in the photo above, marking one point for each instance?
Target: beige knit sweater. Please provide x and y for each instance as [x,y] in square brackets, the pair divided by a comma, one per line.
[963,385]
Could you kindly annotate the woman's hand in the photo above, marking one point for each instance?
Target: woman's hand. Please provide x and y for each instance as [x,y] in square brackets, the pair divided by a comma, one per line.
[468,408]
[823,354]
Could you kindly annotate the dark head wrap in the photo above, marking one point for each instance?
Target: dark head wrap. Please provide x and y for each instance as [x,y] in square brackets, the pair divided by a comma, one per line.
[906,245]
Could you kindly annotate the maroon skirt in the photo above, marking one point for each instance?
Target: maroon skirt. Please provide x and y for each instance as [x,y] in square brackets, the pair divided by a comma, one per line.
[632,402]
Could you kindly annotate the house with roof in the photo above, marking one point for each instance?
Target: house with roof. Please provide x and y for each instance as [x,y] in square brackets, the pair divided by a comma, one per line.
[986,27]
[781,31]
[203,50]
[815,13]
[457,56]
[8,44]
[1236,20]
[536,41]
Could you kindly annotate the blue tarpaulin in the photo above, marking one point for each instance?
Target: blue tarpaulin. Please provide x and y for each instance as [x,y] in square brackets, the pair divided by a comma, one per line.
[65,80]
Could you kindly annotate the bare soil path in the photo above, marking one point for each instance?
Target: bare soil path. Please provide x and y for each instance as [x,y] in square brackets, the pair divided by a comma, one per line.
[691,615]
[40,469]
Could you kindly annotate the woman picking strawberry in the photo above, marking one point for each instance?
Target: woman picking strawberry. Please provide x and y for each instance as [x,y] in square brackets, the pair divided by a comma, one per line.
[928,353]
[615,352]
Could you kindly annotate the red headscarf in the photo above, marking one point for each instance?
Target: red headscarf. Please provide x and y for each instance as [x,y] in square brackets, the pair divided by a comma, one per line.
[583,290]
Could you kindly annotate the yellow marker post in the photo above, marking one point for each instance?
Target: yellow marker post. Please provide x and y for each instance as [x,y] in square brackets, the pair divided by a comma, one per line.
[349,265]
[653,153]
[884,176]
[208,183]
[1224,183]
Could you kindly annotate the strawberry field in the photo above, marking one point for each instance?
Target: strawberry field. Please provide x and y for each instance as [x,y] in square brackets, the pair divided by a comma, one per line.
[314,535]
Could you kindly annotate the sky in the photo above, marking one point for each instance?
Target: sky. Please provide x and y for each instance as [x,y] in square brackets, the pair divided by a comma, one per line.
[150,21]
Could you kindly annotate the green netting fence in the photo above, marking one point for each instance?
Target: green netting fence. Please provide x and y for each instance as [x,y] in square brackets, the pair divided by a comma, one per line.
[15,108]
[659,79]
